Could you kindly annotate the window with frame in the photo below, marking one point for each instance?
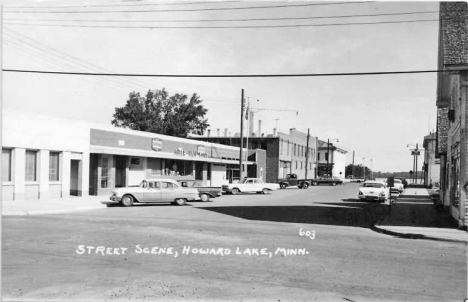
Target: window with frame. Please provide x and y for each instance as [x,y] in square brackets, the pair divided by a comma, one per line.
[54,165]
[167,185]
[31,165]
[6,164]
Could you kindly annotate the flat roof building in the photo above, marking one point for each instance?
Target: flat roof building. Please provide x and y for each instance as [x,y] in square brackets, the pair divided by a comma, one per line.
[49,157]
[285,153]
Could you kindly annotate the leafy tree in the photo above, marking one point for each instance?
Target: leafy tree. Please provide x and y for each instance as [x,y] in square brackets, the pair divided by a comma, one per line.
[157,112]
[357,171]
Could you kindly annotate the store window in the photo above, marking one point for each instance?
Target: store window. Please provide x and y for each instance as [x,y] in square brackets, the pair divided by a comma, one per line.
[31,166]
[154,164]
[199,170]
[105,172]
[54,164]
[178,168]
[6,164]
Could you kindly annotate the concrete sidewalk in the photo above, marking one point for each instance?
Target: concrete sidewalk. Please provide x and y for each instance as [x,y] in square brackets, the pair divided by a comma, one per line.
[415,193]
[414,216]
[53,206]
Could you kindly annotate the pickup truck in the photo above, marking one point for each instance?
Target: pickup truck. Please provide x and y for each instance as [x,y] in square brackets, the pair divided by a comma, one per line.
[355,179]
[326,181]
[204,193]
[292,180]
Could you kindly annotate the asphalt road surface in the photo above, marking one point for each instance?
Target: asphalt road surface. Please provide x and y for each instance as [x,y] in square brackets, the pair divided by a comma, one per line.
[292,245]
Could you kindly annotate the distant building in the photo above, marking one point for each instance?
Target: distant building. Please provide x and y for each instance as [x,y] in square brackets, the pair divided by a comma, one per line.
[452,115]
[431,163]
[331,160]
[285,153]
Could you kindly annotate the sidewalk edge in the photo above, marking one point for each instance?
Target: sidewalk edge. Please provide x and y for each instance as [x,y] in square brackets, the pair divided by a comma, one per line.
[413,236]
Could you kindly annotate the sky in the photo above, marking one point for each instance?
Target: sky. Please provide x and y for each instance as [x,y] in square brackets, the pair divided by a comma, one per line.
[379,117]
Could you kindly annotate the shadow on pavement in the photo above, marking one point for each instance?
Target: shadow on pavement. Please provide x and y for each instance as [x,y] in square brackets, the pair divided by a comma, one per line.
[137,204]
[416,214]
[350,212]
[340,214]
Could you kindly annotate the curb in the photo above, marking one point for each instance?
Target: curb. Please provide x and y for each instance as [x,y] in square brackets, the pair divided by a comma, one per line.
[413,236]
[46,212]
[414,197]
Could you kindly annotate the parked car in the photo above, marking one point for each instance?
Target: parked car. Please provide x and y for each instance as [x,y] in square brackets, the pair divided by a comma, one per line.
[250,185]
[398,185]
[345,180]
[205,193]
[374,190]
[355,179]
[326,181]
[403,180]
[154,190]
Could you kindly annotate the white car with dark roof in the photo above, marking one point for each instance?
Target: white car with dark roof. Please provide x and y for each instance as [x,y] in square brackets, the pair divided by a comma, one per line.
[374,191]
[154,191]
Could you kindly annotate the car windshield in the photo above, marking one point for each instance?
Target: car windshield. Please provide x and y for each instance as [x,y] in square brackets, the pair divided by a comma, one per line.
[143,184]
[373,185]
[397,181]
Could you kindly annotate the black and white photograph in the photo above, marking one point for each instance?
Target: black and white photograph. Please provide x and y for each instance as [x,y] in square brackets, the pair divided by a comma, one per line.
[231,150]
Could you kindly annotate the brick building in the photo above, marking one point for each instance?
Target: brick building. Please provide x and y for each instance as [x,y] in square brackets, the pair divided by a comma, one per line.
[452,109]
[285,153]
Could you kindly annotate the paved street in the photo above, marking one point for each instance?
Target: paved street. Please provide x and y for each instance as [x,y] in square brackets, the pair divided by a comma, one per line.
[254,253]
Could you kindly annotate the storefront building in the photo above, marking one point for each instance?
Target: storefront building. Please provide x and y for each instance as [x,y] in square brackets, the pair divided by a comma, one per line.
[285,153]
[47,157]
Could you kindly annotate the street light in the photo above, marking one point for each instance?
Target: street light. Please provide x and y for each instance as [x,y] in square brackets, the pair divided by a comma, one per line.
[328,154]
[364,167]
[415,152]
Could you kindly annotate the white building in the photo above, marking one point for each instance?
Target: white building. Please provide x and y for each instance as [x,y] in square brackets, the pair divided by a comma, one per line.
[47,157]
[331,160]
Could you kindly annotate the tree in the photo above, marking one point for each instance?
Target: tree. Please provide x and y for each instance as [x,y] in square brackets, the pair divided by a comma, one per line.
[158,112]
[357,171]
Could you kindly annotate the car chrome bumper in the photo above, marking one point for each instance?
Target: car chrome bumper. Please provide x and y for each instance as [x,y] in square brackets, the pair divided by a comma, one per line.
[380,198]
[115,198]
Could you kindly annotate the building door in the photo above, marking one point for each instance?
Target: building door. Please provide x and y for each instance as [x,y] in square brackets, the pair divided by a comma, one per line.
[120,167]
[75,177]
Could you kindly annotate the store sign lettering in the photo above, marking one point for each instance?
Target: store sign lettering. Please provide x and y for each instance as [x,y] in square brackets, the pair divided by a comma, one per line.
[198,153]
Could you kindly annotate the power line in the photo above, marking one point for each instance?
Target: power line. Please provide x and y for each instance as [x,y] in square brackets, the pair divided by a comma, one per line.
[224,27]
[52,61]
[228,20]
[228,75]
[116,81]
[186,10]
[120,5]
[49,51]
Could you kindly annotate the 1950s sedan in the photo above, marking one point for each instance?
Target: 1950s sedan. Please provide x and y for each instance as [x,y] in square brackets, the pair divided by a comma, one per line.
[154,190]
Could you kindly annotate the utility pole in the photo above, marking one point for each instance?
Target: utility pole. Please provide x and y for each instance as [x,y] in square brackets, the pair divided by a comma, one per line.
[352,167]
[241,135]
[328,154]
[1,65]
[416,163]
[307,153]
